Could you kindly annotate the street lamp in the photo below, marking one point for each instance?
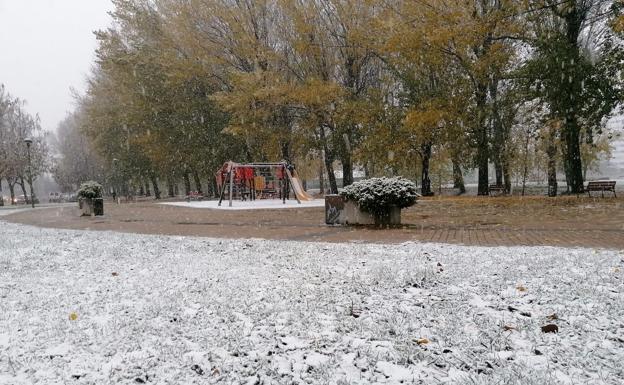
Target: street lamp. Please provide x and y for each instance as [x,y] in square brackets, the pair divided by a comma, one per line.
[28,142]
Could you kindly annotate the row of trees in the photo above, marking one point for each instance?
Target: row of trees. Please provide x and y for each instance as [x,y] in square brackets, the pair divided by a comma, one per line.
[17,125]
[393,87]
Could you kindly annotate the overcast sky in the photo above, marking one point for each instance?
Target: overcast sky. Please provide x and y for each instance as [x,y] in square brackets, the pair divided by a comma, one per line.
[47,47]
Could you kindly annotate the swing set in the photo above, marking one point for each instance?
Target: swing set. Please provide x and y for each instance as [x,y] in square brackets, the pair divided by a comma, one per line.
[259,181]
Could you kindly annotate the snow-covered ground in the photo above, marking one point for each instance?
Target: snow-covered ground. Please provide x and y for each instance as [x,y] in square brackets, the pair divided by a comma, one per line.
[259,204]
[107,308]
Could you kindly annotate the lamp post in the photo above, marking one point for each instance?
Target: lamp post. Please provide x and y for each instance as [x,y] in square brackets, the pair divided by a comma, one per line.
[28,142]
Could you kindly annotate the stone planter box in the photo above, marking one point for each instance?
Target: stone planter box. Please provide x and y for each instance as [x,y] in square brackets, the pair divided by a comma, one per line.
[341,212]
[334,210]
[91,207]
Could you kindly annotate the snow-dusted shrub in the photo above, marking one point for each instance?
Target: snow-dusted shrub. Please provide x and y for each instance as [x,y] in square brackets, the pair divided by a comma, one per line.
[90,190]
[378,195]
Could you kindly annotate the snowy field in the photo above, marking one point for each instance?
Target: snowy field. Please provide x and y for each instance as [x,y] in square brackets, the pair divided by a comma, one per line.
[259,204]
[81,307]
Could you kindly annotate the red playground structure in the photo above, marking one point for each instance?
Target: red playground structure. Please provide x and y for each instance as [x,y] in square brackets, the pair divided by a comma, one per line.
[259,181]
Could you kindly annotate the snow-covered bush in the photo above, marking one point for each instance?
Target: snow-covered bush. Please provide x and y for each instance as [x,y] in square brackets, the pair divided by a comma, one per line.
[90,190]
[378,195]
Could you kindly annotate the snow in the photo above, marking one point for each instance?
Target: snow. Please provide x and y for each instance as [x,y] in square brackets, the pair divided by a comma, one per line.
[183,310]
[260,204]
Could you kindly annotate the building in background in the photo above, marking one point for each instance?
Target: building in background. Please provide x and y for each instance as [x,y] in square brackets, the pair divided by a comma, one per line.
[614,168]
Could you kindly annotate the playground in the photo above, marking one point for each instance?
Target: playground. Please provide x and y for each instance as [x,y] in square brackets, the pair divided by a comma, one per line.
[251,181]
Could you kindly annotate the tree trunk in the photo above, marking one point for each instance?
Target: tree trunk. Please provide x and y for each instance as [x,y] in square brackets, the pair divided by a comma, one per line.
[187,183]
[498,170]
[482,141]
[331,177]
[12,191]
[347,170]
[347,162]
[573,166]
[321,179]
[285,149]
[551,151]
[329,160]
[170,189]
[23,186]
[425,153]
[458,177]
[198,185]
[155,186]
[573,163]
[148,192]
[211,185]
[506,177]
[498,140]
[525,166]
[141,188]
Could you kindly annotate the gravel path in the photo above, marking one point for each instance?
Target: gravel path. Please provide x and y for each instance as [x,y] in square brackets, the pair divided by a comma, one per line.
[482,221]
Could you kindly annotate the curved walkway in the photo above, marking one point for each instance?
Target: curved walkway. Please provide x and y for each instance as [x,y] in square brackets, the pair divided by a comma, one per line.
[565,221]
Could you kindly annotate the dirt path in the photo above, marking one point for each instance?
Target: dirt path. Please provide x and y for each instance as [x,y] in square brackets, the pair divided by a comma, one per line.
[565,221]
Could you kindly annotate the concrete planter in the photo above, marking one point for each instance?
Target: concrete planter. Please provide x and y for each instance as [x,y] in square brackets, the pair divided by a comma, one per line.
[90,207]
[392,217]
[339,211]
[334,210]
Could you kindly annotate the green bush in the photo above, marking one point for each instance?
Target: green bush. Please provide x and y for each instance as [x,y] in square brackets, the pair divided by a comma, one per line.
[378,195]
[90,190]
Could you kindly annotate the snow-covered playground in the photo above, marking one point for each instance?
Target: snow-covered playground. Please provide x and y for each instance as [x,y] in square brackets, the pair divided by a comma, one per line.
[108,308]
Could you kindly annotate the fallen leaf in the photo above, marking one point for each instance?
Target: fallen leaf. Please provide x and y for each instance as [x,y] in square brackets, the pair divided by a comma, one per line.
[521,288]
[115,273]
[509,327]
[73,316]
[550,328]
[197,369]
[422,341]
[552,317]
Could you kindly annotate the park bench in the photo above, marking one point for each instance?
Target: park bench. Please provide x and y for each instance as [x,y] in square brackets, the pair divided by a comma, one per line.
[602,186]
[194,196]
[496,188]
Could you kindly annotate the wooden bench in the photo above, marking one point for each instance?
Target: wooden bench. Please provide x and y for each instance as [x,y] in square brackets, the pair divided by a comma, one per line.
[602,186]
[496,188]
[194,196]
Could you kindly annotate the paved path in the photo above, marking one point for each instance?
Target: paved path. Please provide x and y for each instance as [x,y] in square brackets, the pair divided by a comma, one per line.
[472,221]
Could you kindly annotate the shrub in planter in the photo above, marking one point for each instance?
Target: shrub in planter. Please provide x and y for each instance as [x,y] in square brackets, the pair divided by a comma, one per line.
[90,190]
[381,197]
[90,198]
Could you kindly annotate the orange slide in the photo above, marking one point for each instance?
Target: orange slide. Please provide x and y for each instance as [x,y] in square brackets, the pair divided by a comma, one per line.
[298,188]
